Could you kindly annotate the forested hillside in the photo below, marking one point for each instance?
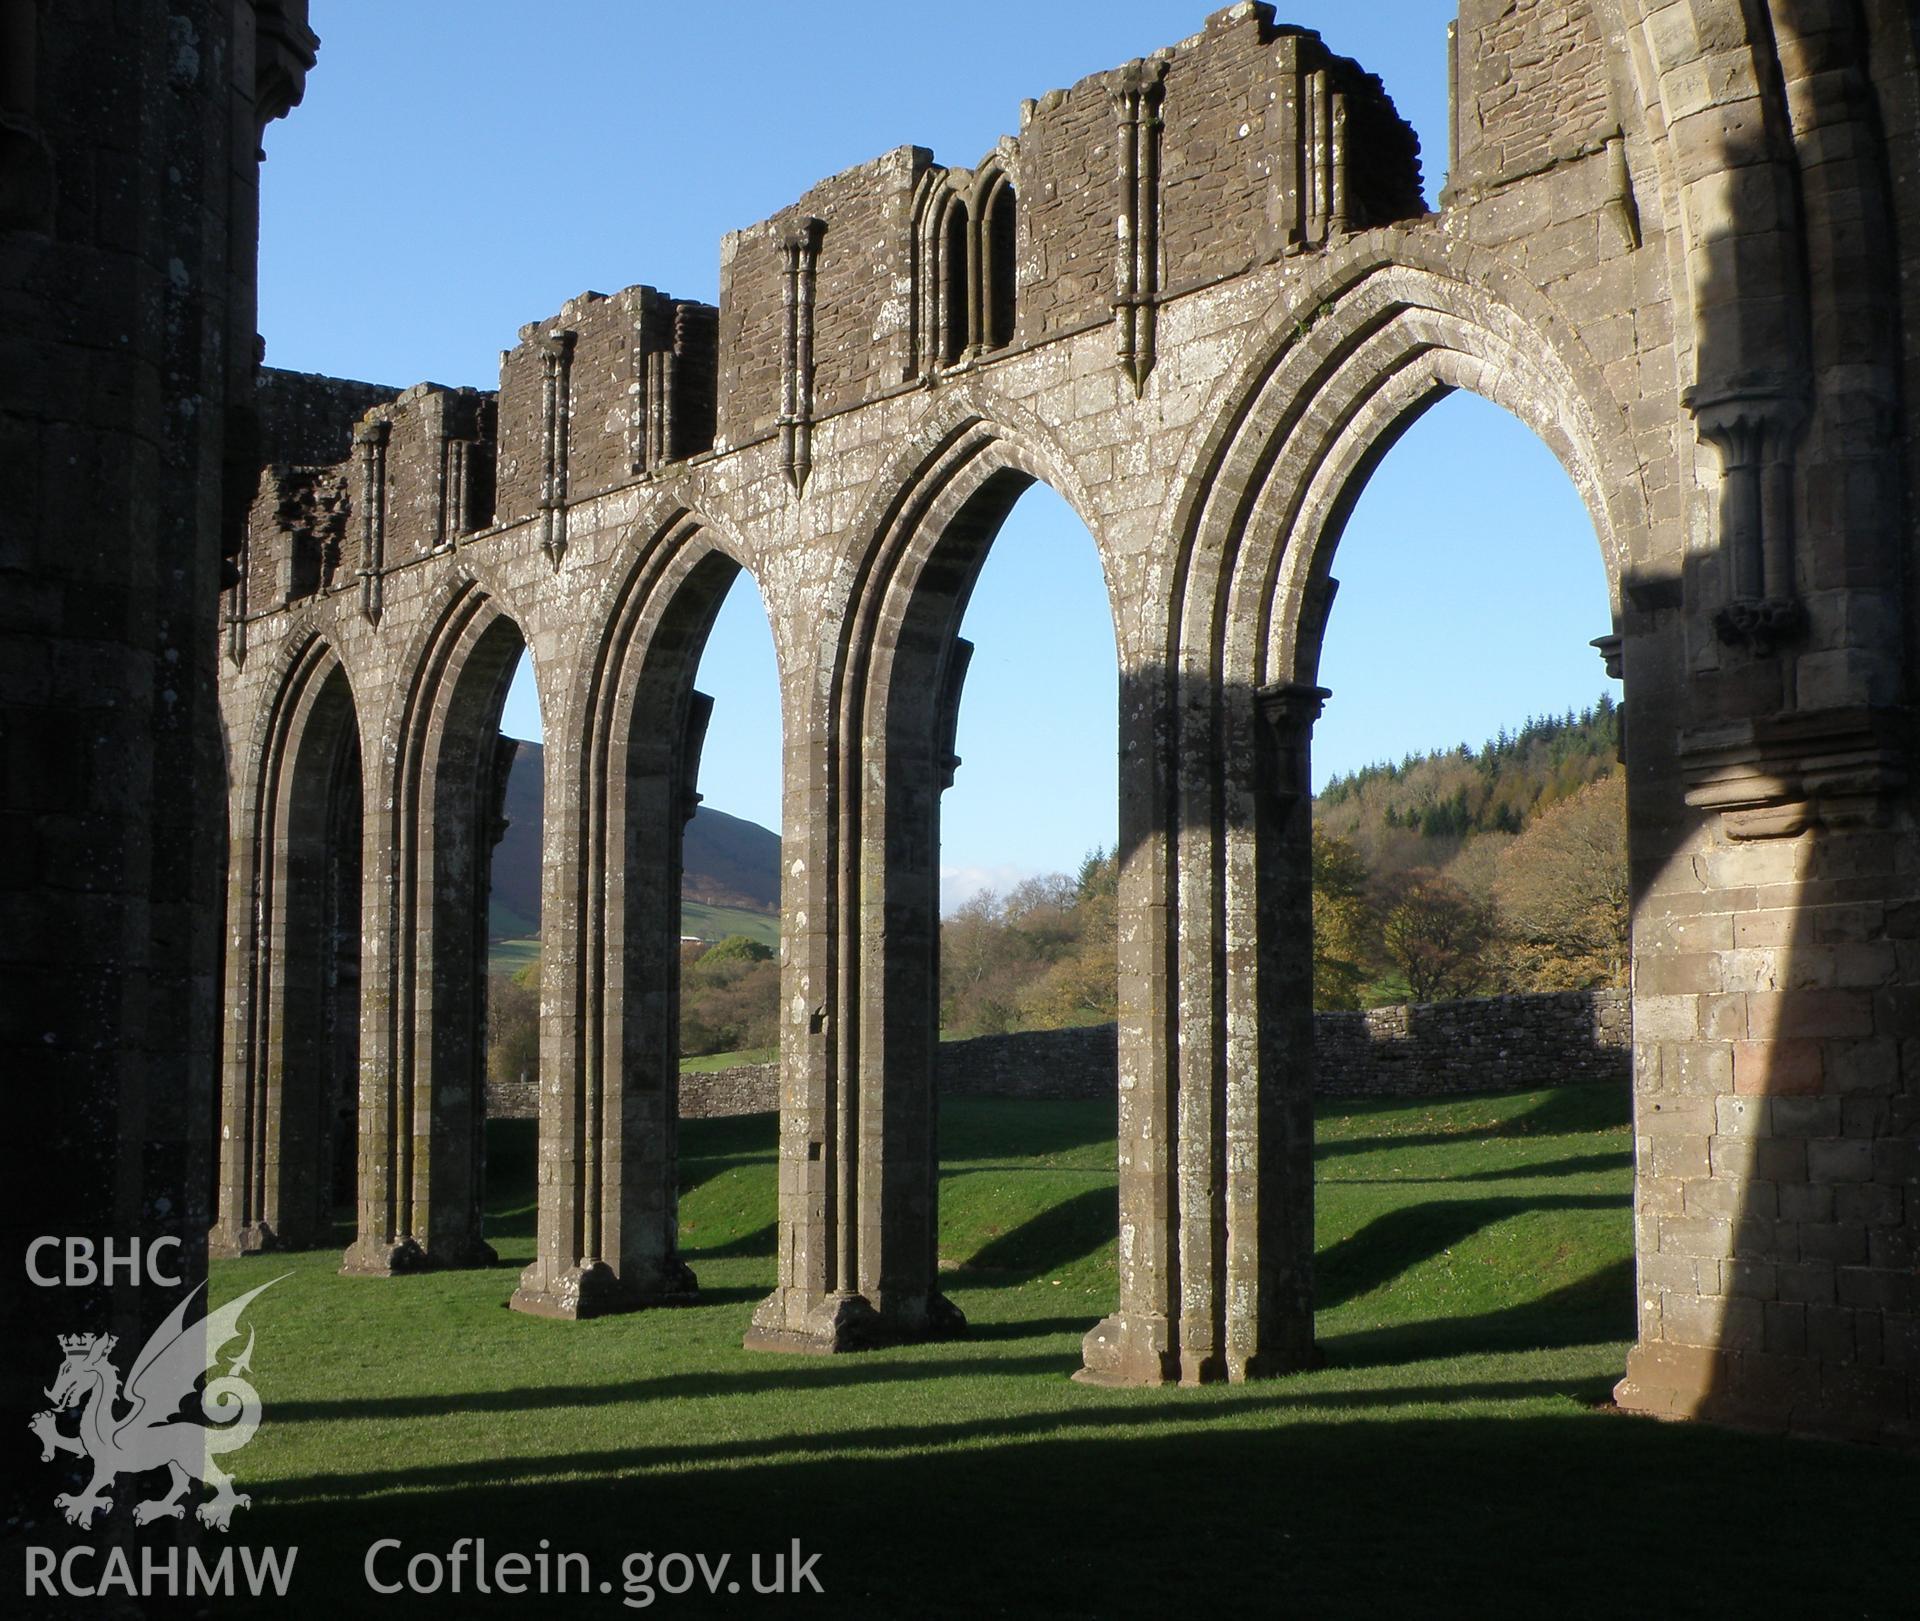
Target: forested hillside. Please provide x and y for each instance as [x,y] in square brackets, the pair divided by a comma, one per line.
[1471,870]
[1422,809]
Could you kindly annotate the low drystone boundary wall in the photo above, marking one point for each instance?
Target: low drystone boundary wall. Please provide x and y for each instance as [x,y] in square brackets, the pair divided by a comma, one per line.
[1501,1043]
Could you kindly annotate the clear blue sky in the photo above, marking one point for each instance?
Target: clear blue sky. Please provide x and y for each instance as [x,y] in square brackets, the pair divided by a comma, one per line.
[460,169]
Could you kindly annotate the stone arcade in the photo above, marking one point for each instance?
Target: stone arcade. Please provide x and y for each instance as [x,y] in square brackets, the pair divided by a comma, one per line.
[1674,241]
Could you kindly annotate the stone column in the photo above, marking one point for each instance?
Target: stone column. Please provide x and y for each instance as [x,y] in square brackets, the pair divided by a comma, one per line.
[1269,1293]
[1136,1344]
[859,1159]
[382,1244]
[1216,1126]
[809,1308]
[609,1057]
[240,1227]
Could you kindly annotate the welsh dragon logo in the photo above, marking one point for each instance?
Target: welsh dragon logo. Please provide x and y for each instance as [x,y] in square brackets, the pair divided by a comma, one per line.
[140,1429]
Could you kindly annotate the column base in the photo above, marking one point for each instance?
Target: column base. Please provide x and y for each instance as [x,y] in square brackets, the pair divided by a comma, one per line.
[847,1322]
[395,1257]
[383,1258]
[594,1289]
[1759,1390]
[256,1238]
[1129,1350]
[1300,1355]
[1670,1381]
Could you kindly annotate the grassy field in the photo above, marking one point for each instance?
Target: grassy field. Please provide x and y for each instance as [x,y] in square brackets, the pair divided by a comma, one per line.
[696,918]
[510,956]
[707,1062]
[717,922]
[1453,1456]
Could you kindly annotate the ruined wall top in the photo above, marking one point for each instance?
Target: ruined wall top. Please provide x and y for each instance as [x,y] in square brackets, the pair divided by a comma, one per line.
[1245,143]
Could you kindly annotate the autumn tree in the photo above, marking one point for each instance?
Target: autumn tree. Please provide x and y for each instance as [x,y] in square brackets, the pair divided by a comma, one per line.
[1039,957]
[513,1025]
[1081,983]
[729,997]
[1438,936]
[1345,926]
[1563,892]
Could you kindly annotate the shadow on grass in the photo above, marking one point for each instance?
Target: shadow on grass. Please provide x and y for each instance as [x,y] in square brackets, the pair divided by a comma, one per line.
[1568,1111]
[1596,1310]
[990,1129]
[786,1374]
[761,1241]
[1061,1234]
[1573,1165]
[1135,1410]
[1093,1513]
[1402,1239]
[1030,1328]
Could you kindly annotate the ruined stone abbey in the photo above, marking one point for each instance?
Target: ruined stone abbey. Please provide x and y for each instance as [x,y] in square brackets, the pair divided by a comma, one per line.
[1199,296]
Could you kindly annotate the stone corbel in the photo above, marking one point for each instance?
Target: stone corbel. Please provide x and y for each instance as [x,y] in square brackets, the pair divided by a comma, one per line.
[1754,429]
[1778,777]
[800,254]
[284,51]
[699,715]
[556,390]
[497,821]
[946,724]
[1612,649]
[370,451]
[1287,712]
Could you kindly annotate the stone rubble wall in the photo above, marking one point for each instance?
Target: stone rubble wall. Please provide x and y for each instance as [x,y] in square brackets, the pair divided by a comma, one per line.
[1500,1044]
[1505,1043]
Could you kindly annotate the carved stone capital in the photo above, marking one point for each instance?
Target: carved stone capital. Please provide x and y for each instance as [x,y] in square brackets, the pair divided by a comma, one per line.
[1291,707]
[1287,711]
[1135,84]
[1778,776]
[1753,422]
[802,233]
[1750,423]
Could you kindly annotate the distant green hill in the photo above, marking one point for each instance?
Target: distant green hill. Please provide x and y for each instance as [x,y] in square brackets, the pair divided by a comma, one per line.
[732,866]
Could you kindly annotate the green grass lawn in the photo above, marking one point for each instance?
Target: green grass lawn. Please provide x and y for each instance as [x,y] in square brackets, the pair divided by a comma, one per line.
[508,956]
[706,1063]
[1454,1455]
[717,922]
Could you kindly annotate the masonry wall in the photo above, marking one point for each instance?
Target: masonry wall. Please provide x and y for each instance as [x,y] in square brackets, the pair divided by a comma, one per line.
[1068,192]
[1532,84]
[1506,1043]
[1503,1043]
[306,420]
